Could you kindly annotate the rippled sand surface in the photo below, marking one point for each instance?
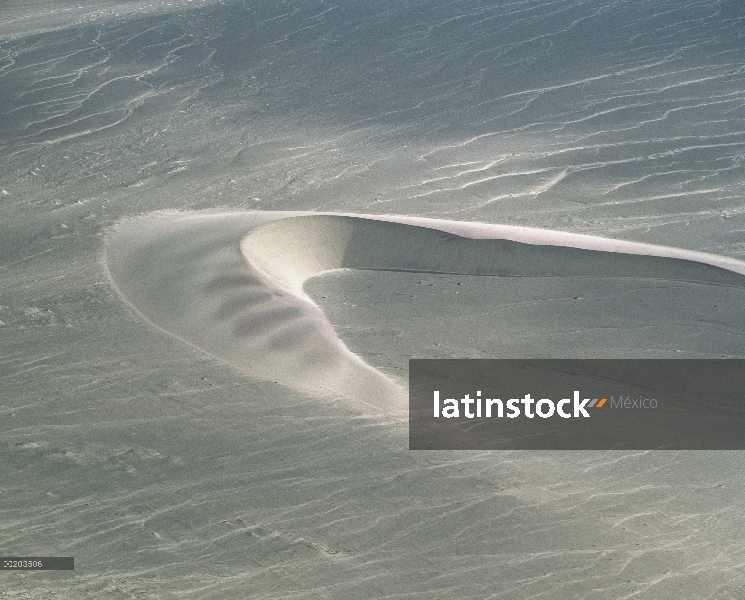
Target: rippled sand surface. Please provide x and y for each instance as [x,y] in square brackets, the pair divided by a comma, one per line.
[168,472]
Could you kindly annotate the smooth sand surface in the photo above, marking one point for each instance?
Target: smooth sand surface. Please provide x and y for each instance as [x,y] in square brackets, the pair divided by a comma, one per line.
[232,284]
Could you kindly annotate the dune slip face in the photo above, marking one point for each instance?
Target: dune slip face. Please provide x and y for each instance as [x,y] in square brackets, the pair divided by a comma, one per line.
[231,284]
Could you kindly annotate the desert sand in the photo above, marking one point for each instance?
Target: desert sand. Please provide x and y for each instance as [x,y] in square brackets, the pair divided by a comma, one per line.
[197,199]
[232,284]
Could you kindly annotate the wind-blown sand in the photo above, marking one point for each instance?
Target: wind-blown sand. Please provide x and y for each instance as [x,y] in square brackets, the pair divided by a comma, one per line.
[232,284]
[165,132]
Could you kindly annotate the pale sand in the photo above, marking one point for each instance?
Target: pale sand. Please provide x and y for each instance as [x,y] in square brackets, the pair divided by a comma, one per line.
[231,284]
[171,474]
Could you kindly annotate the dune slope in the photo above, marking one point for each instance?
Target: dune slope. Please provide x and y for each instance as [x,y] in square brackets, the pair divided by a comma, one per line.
[232,284]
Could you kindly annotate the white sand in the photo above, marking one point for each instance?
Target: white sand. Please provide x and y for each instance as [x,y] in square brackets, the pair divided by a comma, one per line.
[171,474]
[232,284]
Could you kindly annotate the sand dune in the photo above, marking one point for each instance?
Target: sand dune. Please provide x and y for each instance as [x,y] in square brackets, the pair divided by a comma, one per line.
[232,284]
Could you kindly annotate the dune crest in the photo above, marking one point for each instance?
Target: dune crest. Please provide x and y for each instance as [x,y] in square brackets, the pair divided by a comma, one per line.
[231,284]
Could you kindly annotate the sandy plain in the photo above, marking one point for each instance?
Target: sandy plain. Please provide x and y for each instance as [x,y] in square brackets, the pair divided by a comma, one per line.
[168,473]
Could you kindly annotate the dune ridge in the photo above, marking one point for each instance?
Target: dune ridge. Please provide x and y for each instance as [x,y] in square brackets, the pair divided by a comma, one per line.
[231,284]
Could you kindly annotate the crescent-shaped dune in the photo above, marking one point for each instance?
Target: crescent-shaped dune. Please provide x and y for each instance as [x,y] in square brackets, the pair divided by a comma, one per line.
[231,284]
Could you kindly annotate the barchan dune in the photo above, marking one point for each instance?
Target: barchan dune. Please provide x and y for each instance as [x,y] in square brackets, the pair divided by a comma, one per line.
[231,284]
